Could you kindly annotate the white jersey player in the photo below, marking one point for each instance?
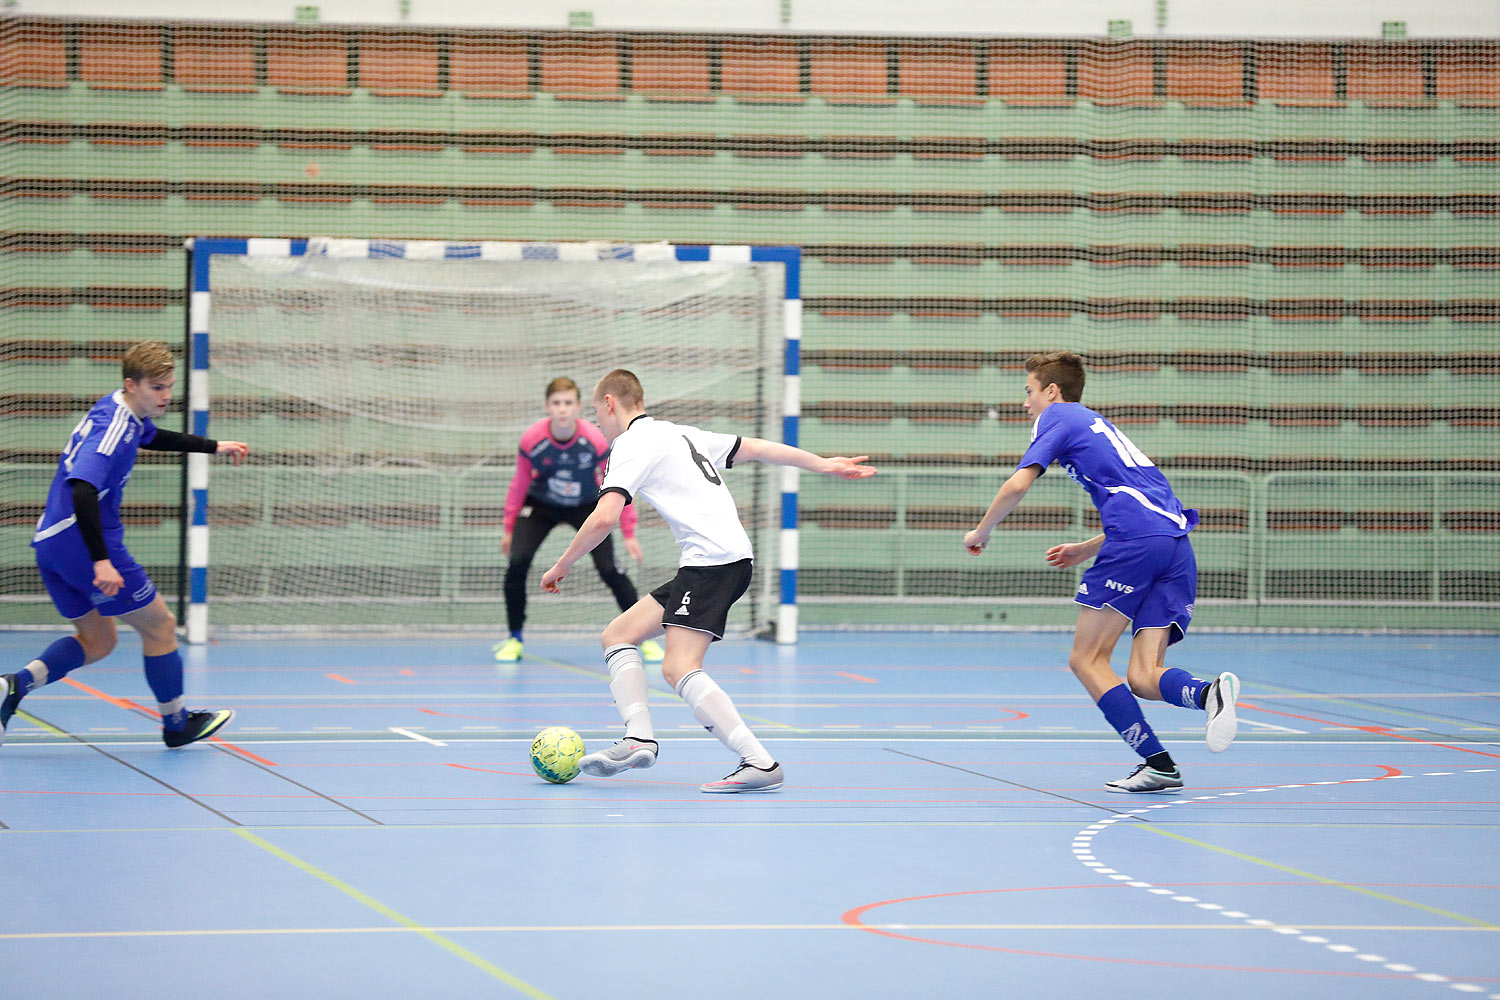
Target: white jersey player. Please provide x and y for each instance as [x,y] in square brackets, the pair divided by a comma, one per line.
[679,470]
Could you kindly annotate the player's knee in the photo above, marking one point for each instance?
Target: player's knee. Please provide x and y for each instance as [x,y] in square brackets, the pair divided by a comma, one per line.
[673,673]
[616,633]
[1082,663]
[99,641]
[1141,684]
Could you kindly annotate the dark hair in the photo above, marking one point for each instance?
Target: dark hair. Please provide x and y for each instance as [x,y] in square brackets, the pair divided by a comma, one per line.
[561,384]
[623,385]
[1061,367]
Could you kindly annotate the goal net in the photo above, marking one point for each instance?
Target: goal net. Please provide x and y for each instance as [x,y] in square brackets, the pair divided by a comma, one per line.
[383,389]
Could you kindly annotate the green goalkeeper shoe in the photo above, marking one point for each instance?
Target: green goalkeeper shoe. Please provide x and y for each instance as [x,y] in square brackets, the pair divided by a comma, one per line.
[652,652]
[508,651]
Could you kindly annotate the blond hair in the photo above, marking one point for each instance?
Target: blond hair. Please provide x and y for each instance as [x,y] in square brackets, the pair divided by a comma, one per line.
[148,359]
[624,386]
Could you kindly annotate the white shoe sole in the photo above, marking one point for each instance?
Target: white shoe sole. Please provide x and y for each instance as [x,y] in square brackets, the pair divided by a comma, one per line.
[715,788]
[1224,724]
[601,766]
[1142,791]
[755,784]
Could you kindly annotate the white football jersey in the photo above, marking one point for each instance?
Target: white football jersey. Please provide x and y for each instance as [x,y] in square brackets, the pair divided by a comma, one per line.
[675,468]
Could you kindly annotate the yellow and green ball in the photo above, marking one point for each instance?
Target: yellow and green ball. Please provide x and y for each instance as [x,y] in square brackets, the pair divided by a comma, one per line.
[555,754]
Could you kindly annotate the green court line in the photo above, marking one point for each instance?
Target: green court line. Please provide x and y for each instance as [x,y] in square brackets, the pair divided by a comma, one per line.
[1252,859]
[450,946]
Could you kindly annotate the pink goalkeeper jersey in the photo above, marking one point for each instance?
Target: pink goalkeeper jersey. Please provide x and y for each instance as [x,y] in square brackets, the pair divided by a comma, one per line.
[560,473]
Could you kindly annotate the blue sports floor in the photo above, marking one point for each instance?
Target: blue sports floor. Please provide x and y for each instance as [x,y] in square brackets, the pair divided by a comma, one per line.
[369,827]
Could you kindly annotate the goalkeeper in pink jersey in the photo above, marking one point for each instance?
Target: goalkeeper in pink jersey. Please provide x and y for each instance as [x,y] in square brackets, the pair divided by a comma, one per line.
[558,468]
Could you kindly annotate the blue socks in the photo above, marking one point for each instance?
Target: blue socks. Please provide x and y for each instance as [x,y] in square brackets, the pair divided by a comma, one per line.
[1122,711]
[1180,688]
[164,675]
[58,661]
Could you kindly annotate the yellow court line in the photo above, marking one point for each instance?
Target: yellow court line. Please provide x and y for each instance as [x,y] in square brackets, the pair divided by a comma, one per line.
[731,928]
[1336,883]
[452,947]
[49,727]
[658,695]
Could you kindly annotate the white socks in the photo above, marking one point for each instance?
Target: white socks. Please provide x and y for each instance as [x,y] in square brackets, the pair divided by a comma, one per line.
[712,707]
[627,682]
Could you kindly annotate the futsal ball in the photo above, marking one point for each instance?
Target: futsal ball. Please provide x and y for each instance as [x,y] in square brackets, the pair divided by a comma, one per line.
[555,754]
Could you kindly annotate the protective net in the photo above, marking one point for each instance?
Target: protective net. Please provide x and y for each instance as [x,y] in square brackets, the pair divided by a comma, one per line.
[1277,256]
[388,396]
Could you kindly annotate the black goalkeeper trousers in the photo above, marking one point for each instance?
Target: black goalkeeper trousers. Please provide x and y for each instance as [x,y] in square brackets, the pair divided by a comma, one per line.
[533,526]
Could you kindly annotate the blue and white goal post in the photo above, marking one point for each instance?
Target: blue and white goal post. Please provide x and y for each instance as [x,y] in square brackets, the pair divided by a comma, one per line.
[201,331]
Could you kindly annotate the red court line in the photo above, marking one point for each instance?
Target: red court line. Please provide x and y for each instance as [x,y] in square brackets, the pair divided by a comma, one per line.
[853,917]
[857,677]
[131,706]
[124,703]
[340,678]
[242,751]
[1373,730]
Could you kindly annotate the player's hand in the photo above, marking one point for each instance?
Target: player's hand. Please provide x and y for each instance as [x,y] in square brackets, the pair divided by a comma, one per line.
[850,468]
[505,544]
[1067,554]
[107,578]
[633,547]
[553,578]
[976,540]
[238,449]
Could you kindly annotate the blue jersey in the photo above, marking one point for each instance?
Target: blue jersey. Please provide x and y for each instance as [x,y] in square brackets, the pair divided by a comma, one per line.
[101,450]
[1134,498]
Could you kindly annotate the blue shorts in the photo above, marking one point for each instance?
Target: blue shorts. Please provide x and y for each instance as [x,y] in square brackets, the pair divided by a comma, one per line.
[68,574]
[1152,581]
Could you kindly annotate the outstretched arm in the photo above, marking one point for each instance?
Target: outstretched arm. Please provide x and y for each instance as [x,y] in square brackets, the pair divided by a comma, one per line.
[776,453]
[165,440]
[593,531]
[1011,492]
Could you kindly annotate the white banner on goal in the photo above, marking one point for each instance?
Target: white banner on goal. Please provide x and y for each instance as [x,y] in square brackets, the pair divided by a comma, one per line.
[383,384]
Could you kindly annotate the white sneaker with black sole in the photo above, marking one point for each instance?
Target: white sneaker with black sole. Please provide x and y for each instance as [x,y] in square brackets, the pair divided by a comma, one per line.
[1223,725]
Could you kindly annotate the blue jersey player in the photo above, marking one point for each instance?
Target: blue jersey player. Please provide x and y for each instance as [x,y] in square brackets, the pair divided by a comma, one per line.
[80,547]
[1144,574]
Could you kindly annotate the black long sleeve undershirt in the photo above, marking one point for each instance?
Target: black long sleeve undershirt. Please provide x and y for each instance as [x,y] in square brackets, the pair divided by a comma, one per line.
[86,494]
[86,511]
[166,440]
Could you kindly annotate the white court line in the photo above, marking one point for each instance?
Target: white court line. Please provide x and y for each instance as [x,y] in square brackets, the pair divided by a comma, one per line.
[1085,853]
[417,736]
[1269,725]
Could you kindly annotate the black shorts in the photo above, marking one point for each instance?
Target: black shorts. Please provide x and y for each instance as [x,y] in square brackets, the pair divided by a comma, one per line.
[699,597]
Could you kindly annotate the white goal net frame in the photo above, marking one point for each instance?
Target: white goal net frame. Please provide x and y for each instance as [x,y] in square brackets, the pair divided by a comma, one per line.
[222,325]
